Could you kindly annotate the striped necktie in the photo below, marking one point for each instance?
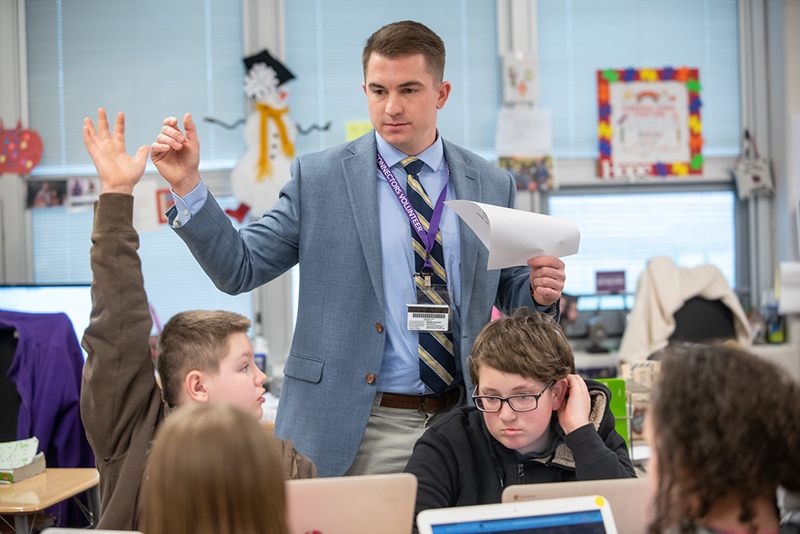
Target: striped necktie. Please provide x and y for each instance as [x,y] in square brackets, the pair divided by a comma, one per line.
[437,364]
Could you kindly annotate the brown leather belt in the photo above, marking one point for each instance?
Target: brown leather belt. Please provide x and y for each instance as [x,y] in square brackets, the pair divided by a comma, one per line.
[427,403]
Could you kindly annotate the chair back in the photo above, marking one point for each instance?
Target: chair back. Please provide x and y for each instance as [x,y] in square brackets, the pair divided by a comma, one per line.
[701,321]
[9,396]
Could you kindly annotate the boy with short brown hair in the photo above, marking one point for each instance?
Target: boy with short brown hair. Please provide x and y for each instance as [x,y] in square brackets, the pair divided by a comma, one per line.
[534,420]
[203,356]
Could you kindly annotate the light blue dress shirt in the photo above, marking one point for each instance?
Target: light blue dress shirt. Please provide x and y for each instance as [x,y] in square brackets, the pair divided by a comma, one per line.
[400,367]
[190,204]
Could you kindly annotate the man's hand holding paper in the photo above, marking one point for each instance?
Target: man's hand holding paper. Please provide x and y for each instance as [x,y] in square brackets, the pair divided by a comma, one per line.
[547,279]
[516,237]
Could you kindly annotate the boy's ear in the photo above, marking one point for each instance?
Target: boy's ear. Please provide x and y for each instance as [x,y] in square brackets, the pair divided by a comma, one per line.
[559,393]
[195,387]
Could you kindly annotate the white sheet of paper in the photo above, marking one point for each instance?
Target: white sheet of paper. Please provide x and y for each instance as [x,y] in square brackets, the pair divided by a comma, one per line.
[515,236]
[145,207]
[523,131]
[789,301]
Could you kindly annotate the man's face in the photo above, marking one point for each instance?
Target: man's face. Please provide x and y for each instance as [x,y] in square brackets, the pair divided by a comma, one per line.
[239,381]
[524,432]
[403,99]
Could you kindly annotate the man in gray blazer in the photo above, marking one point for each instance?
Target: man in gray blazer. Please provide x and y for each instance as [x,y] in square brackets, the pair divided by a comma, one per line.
[357,391]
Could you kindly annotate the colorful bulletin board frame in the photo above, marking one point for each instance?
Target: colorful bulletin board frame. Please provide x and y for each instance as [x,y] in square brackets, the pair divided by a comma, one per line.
[649,122]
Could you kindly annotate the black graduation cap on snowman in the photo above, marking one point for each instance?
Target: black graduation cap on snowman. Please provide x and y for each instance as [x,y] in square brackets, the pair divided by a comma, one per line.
[266,58]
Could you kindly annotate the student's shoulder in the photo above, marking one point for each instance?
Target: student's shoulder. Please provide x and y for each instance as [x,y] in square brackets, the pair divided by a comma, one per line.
[295,464]
[458,423]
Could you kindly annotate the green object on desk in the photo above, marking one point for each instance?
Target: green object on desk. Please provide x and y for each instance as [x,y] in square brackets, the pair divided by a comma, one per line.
[619,405]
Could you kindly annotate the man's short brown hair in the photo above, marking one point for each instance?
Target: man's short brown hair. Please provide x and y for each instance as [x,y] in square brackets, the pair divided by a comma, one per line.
[407,38]
[528,343]
[194,340]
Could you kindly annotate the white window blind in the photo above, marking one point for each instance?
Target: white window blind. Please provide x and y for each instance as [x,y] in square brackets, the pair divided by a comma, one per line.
[324,41]
[621,232]
[147,58]
[578,37]
[173,279]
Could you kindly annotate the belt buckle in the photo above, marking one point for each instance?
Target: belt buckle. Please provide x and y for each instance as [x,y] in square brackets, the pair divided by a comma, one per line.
[423,405]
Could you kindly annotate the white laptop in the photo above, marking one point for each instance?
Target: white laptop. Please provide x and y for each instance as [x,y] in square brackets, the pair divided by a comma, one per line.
[352,505]
[630,498]
[573,515]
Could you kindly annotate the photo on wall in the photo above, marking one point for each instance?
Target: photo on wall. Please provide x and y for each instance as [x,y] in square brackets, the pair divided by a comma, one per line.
[46,193]
[531,173]
[82,192]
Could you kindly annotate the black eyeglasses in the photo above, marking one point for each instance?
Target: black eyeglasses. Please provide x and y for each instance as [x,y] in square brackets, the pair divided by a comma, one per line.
[526,402]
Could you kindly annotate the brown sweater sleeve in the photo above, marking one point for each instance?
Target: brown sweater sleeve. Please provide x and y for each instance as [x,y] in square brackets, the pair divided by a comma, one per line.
[121,402]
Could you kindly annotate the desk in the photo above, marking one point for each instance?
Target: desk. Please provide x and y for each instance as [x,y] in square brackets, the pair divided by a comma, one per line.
[31,496]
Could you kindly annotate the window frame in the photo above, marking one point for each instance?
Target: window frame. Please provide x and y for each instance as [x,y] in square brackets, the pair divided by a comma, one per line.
[753,218]
[264,26]
[262,22]
[740,213]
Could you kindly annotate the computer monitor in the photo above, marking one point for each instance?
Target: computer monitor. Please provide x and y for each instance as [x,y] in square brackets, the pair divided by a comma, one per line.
[73,300]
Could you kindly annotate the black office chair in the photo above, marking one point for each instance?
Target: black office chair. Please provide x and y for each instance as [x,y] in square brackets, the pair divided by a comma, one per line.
[10,399]
[703,321]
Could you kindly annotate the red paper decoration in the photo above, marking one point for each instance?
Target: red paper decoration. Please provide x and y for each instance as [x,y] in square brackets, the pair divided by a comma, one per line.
[20,149]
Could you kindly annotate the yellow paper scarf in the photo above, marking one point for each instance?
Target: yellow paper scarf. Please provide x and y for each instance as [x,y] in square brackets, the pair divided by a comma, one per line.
[264,166]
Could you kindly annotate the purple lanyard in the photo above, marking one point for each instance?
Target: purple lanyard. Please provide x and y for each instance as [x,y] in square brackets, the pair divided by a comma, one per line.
[429,238]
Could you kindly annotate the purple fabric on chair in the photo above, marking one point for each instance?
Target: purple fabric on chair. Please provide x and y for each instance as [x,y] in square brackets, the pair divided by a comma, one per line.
[46,370]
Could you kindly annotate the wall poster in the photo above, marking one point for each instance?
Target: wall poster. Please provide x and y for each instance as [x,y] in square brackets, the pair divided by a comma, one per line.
[649,122]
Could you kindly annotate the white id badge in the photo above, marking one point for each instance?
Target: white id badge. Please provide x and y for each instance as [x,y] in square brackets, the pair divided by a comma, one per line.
[430,317]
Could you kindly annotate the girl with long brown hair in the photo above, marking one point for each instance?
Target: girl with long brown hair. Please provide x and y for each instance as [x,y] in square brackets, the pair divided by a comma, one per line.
[724,427]
[214,469]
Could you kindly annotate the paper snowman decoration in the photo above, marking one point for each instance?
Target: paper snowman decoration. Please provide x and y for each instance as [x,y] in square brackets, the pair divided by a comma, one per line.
[270,135]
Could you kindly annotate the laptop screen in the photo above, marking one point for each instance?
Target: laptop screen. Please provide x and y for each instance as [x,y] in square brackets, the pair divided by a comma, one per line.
[582,522]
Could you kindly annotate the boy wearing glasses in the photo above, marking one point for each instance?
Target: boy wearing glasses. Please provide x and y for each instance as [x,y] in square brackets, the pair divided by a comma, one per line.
[534,420]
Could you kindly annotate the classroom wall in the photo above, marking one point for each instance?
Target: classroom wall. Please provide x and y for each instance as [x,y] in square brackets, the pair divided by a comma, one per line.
[783,42]
[791,250]
[783,72]
[792,33]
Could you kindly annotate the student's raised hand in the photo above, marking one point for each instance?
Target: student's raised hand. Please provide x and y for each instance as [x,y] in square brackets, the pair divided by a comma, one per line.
[574,411]
[547,279]
[177,156]
[118,172]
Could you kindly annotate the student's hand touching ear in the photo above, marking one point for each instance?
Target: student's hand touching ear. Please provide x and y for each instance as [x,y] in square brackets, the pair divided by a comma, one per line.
[574,411]
[547,279]
[177,156]
[118,171]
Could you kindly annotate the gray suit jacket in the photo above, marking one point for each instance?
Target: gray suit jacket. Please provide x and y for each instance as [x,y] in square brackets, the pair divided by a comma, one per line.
[327,219]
